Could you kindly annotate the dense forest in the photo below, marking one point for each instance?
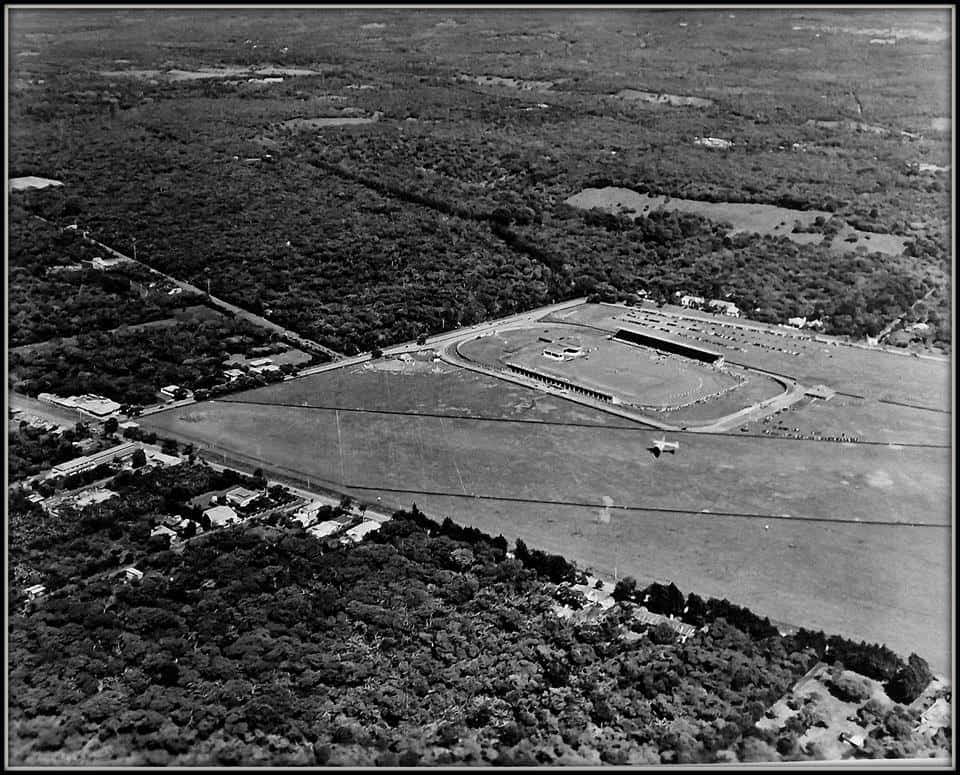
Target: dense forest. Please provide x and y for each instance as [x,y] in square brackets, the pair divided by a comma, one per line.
[450,205]
[55,292]
[427,643]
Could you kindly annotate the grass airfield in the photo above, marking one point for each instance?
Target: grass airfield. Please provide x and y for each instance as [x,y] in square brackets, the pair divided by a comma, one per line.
[884,583]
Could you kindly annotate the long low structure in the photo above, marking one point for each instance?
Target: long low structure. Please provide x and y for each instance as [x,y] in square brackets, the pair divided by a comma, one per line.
[557,382]
[88,463]
[646,339]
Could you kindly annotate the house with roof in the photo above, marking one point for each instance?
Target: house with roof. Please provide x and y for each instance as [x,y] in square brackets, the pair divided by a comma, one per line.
[221,515]
[36,591]
[163,530]
[360,531]
[132,574]
[324,529]
[727,308]
[241,497]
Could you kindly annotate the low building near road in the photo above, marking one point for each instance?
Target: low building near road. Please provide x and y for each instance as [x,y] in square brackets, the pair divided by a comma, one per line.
[233,374]
[93,497]
[36,591]
[726,307]
[221,515]
[128,425]
[357,533]
[797,322]
[162,459]
[822,392]
[691,301]
[324,529]
[163,530]
[175,392]
[81,464]
[90,403]
[241,497]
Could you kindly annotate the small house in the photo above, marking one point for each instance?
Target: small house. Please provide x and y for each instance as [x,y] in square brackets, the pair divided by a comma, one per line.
[132,574]
[221,515]
[36,591]
[241,497]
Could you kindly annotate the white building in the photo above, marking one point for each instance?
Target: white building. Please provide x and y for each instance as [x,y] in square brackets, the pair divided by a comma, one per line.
[221,515]
[37,590]
[797,322]
[93,404]
[712,142]
[726,307]
[241,497]
[233,374]
[361,530]
[81,464]
[163,530]
[687,301]
[325,529]
[93,497]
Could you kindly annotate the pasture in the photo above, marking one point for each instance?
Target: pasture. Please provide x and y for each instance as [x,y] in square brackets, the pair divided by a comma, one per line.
[883,582]
[742,217]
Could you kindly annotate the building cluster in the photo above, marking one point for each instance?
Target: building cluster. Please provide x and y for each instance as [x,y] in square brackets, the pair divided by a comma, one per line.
[38,422]
[802,322]
[718,306]
[564,354]
[98,406]
[257,366]
[351,527]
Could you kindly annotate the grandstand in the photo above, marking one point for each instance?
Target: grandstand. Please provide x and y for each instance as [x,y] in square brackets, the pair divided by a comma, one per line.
[672,346]
[563,384]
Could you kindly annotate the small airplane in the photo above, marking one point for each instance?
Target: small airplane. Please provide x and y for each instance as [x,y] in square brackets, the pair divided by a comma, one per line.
[661,445]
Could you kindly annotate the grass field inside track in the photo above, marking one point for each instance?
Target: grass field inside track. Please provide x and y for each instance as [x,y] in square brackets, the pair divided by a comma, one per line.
[883,583]
[870,373]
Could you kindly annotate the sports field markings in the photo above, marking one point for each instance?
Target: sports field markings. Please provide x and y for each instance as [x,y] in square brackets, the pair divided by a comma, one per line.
[453,459]
[656,509]
[340,446]
[640,427]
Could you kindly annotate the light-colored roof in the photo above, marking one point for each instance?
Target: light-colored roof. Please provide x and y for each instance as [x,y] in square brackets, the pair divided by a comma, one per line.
[358,532]
[32,181]
[324,529]
[221,514]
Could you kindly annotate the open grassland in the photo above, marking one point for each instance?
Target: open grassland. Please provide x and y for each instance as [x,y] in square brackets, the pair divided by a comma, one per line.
[880,582]
[861,419]
[870,373]
[742,217]
[393,386]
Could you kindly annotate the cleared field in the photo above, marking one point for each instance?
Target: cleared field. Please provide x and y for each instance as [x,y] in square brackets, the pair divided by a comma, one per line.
[870,373]
[743,217]
[411,388]
[866,420]
[880,582]
[675,100]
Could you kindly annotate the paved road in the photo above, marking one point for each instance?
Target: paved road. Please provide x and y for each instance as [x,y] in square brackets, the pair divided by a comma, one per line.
[257,320]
